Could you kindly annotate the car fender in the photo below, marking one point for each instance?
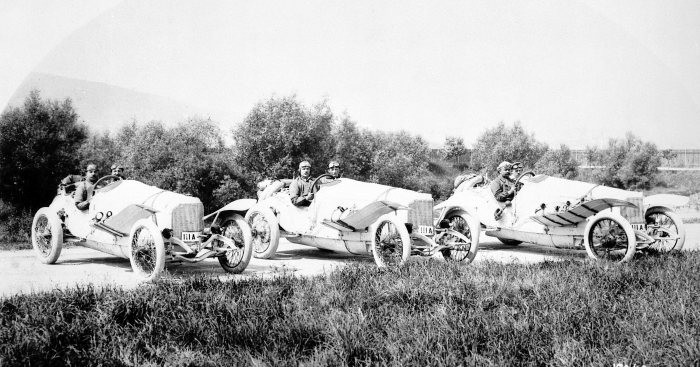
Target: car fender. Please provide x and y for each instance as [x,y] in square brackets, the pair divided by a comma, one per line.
[240,206]
[668,201]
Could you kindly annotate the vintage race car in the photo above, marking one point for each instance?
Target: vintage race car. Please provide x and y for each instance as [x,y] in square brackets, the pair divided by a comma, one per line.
[142,223]
[609,223]
[354,217]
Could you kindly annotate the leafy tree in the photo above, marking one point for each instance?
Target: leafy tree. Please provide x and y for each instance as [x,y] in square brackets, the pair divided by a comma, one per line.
[354,149]
[504,143]
[279,133]
[454,148]
[190,158]
[102,150]
[629,163]
[39,145]
[400,160]
[558,162]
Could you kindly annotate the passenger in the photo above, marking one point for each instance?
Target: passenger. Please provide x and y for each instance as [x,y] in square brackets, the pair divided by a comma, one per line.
[300,189]
[118,171]
[86,188]
[516,171]
[333,170]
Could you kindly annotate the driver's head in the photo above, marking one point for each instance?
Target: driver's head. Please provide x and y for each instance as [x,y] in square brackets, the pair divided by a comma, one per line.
[517,169]
[117,170]
[504,167]
[334,169]
[305,169]
[91,172]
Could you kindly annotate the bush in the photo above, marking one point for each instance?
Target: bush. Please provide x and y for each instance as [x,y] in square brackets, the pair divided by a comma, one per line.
[558,163]
[630,163]
[504,143]
[15,224]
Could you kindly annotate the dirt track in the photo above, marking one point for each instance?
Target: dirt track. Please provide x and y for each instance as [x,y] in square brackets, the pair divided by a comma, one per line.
[21,272]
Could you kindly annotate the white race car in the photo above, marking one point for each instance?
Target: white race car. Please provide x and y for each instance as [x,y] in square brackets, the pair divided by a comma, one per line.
[608,222]
[143,223]
[354,217]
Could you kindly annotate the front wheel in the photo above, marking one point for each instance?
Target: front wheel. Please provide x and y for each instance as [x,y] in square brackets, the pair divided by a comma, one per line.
[463,244]
[391,243]
[609,236]
[147,250]
[667,228]
[47,235]
[236,258]
[266,231]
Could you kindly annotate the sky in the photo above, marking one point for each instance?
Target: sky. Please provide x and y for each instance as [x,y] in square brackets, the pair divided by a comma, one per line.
[572,72]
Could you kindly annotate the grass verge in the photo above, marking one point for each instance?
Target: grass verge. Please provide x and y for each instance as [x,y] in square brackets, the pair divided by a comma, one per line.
[426,313]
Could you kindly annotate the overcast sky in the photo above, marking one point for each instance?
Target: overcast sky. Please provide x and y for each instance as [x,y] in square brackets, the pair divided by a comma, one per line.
[572,72]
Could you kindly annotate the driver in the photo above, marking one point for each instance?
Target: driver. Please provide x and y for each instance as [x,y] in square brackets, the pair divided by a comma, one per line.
[503,187]
[333,170]
[118,171]
[300,188]
[86,188]
[517,170]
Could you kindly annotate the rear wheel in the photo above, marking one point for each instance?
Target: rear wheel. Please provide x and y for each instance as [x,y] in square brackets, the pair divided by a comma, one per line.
[667,228]
[609,236]
[47,235]
[236,258]
[266,231]
[463,239]
[147,250]
[391,243]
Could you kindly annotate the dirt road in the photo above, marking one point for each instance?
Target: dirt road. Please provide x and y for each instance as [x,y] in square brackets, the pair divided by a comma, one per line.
[21,272]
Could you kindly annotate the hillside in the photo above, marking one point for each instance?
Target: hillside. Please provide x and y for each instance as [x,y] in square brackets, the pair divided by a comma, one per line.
[106,107]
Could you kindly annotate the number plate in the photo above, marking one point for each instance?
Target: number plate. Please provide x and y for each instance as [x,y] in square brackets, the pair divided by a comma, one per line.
[426,230]
[190,236]
[639,227]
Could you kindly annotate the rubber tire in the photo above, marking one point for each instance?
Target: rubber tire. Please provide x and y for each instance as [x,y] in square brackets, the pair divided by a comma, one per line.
[159,244]
[273,230]
[403,234]
[247,245]
[676,220]
[626,226]
[509,242]
[475,232]
[54,223]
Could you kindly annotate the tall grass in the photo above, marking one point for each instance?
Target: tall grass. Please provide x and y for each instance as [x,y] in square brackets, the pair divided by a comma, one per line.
[426,313]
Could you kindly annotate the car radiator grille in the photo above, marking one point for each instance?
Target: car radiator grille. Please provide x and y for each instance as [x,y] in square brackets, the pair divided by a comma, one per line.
[420,213]
[188,218]
[633,214]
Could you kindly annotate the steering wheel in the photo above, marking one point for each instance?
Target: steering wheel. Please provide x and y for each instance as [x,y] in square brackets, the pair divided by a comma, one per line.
[526,173]
[313,184]
[102,182]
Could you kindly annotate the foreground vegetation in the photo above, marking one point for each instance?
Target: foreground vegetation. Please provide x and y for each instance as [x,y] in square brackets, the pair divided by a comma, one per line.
[427,313]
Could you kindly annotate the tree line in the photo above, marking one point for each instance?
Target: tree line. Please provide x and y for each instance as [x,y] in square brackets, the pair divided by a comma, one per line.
[43,141]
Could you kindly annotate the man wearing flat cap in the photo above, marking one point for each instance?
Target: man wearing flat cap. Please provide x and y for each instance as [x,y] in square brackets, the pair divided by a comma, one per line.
[300,189]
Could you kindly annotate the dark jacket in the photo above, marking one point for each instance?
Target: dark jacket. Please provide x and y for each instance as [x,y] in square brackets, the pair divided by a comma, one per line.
[501,188]
[83,193]
[298,189]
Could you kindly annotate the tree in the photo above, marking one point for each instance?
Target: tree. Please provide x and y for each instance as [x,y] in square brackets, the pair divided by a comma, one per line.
[504,143]
[354,149]
[400,160]
[279,133]
[629,163]
[102,150]
[39,145]
[558,162]
[454,148]
[190,158]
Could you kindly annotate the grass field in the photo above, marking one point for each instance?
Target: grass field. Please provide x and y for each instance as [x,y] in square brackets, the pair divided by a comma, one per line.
[426,313]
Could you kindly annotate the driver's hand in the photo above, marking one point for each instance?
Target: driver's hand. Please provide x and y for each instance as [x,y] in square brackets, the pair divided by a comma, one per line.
[310,196]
